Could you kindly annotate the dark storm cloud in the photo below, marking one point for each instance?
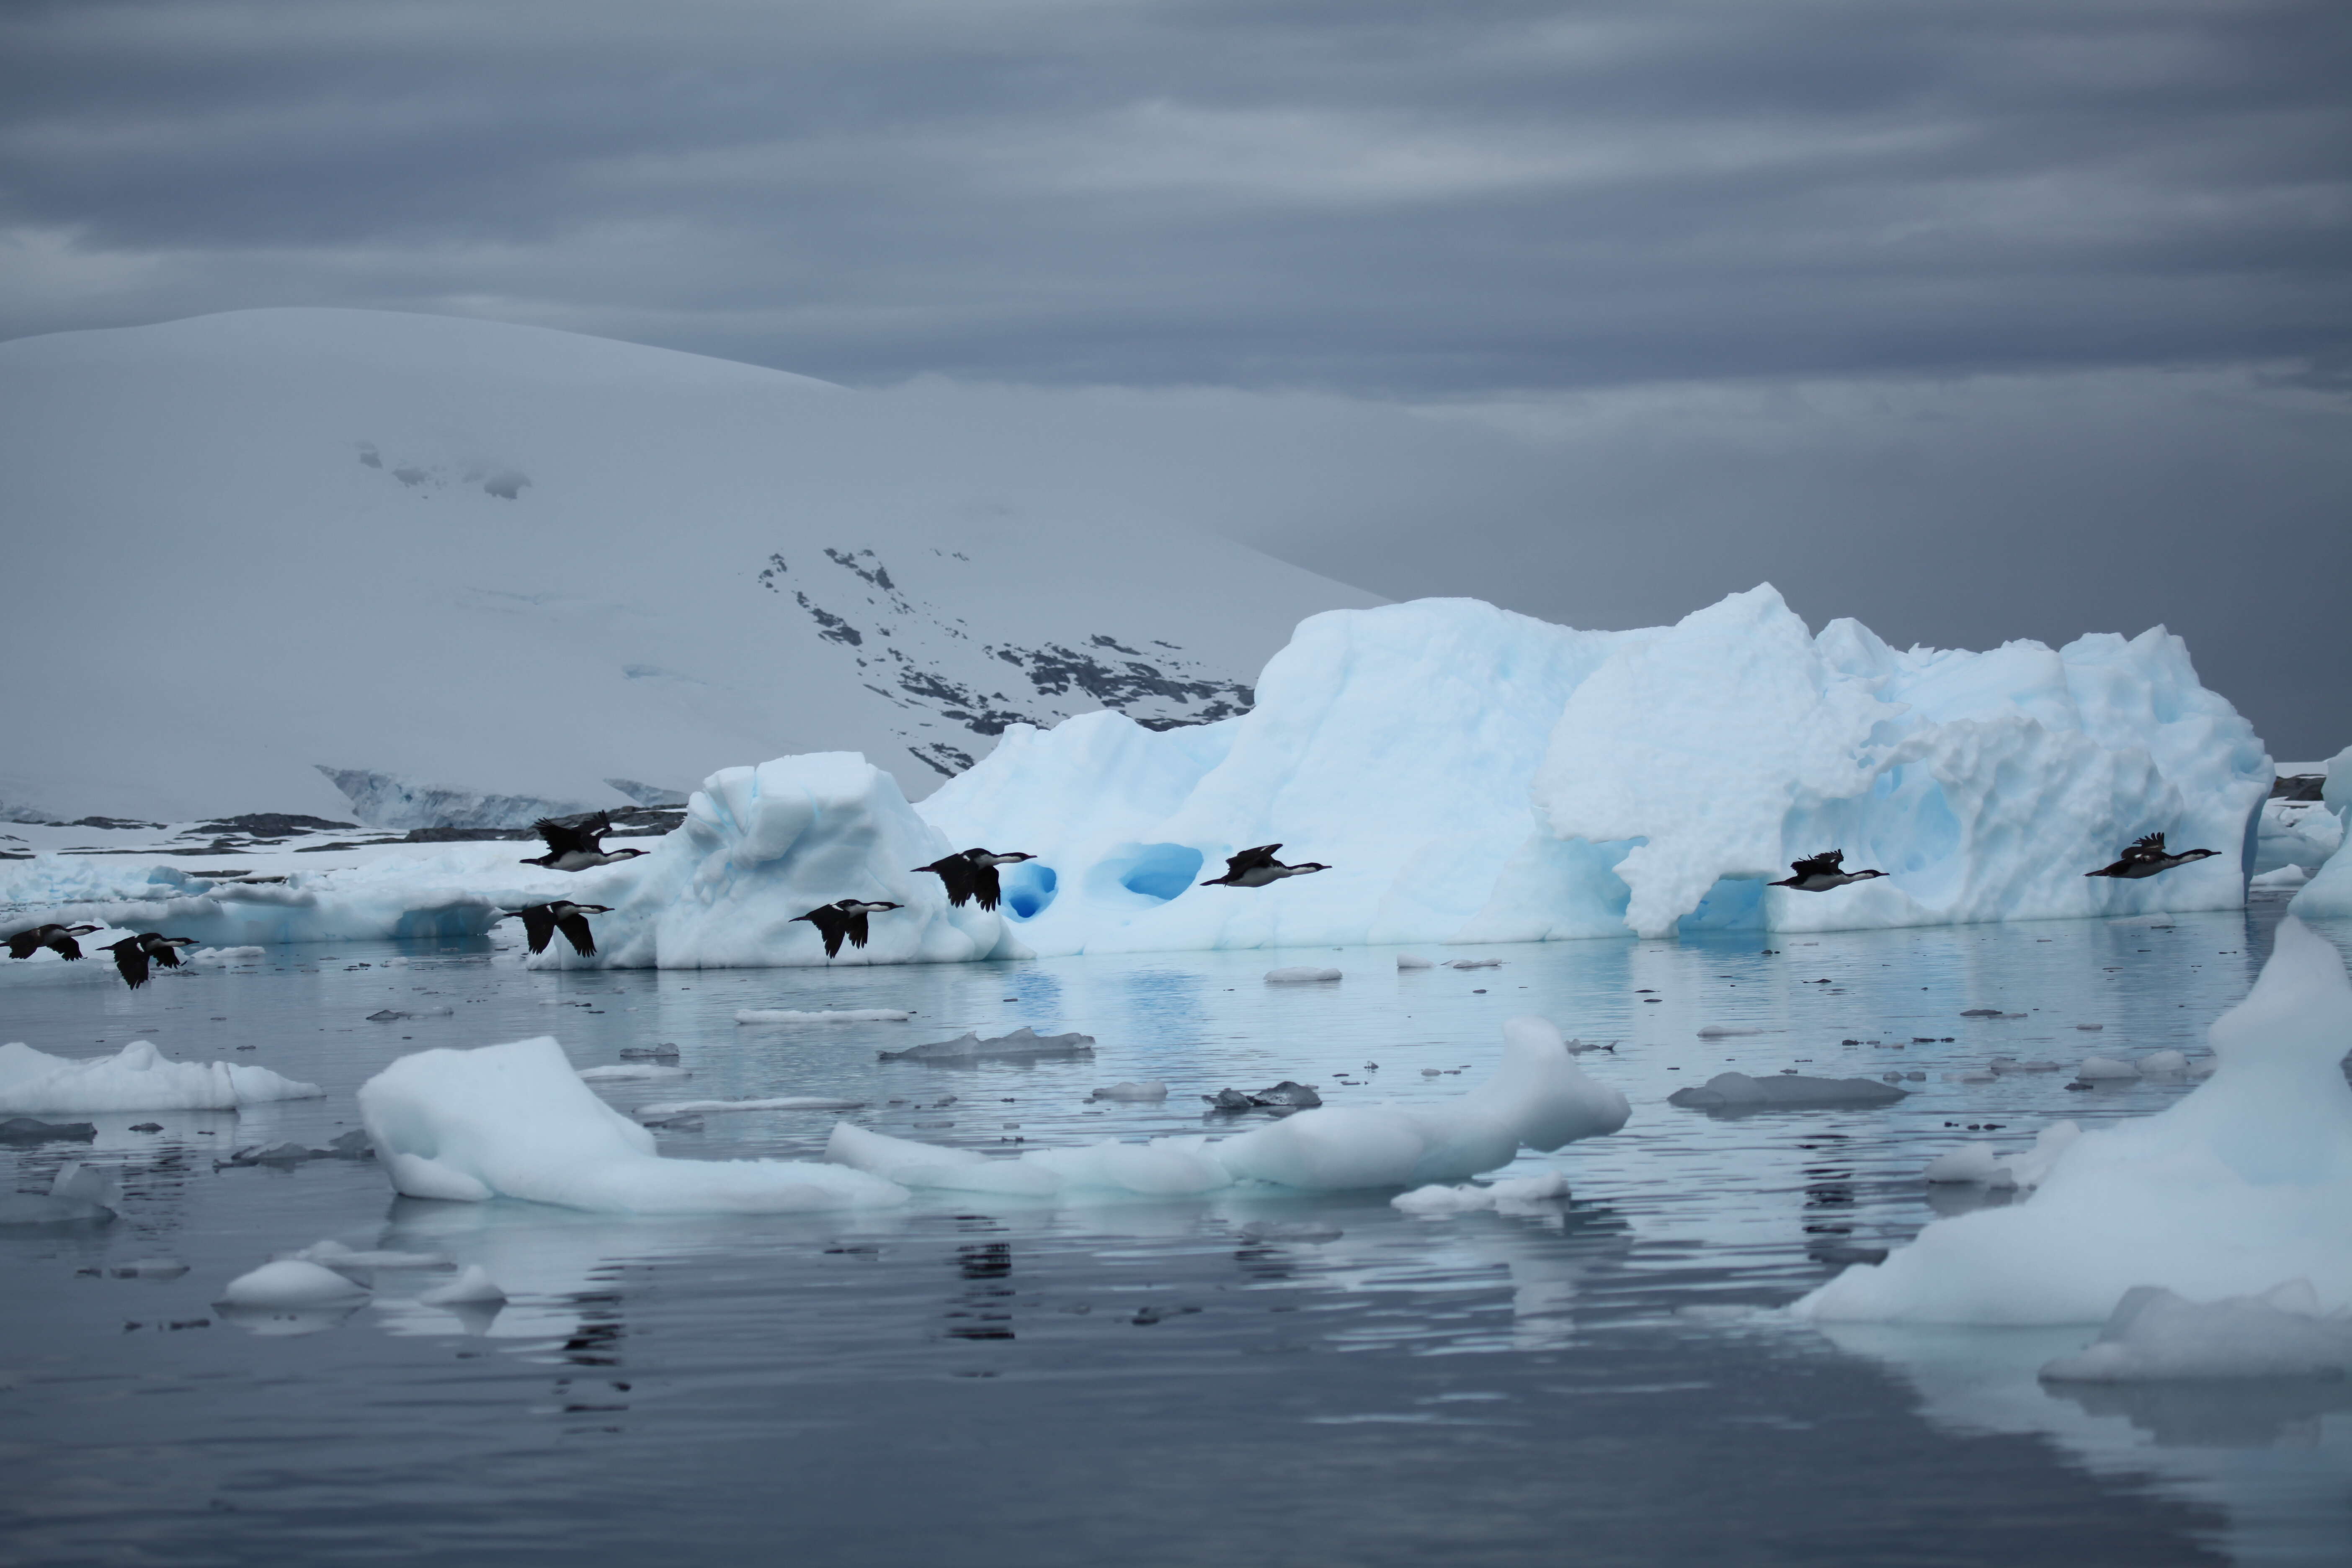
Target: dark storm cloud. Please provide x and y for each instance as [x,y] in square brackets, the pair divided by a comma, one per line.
[1401,199]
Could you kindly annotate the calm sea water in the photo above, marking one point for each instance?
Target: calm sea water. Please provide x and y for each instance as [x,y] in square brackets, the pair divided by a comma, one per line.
[1247,1378]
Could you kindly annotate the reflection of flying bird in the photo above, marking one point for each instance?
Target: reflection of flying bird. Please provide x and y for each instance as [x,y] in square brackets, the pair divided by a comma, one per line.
[542,921]
[1257,868]
[842,918]
[577,846]
[2146,857]
[1820,873]
[58,939]
[131,953]
[972,875]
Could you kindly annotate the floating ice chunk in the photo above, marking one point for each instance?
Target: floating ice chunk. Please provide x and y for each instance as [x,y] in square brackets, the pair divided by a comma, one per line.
[1165,1167]
[2090,1028]
[1287,1095]
[2245,1180]
[2158,1063]
[396,1014]
[632,1072]
[1407,961]
[1781,1091]
[2283,879]
[472,1287]
[1299,975]
[79,1195]
[1024,1044]
[222,957]
[287,1153]
[1474,963]
[1724,1032]
[1151,1090]
[665,1052]
[845,1015]
[669,1109]
[514,1120]
[291,1282]
[149,1268]
[28,1130]
[1978,1164]
[2155,1335]
[2095,1069]
[1514,1195]
[136,1078]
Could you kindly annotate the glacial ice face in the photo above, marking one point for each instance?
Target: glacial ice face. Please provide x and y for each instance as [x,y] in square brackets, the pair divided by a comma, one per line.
[1474,775]
[389,801]
[515,1122]
[762,846]
[2242,1185]
[2330,892]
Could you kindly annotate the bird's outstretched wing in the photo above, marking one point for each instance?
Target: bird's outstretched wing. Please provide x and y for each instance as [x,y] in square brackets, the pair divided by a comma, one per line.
[2149,847]
[985,886]
[1250,860]
[132,962]
[66,947]
[538,926]
[22,944]
[168,957]
[562,838]
[855,925]
[575,931]
[961,877]
[829,925]
[1826,864]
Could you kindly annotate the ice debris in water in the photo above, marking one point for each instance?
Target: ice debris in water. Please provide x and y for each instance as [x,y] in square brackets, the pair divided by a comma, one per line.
[2244,1182]
[844,1015]
[2156,1335]
[30,1130]
[2096,1069]
[673,1110]
[332,1254]
[665,1052]
[1024,1044]
[1537,1099]
[222,957]
[1783,1091]
[1283,1096]
[1299,975]
[1724,1031]
[1976,1165]
[352,1145]
[514,1120]
[1510,1196]
[634,1072]
[1474,963]
[1407,961]
[79,1195]
[2159,1063]
[1129,1089]
[472,1287]
[291,1282]
[396,1014]
[136,1078]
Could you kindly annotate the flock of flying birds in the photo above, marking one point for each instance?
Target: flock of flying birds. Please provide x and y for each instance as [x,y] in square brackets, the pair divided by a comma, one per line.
[969,877]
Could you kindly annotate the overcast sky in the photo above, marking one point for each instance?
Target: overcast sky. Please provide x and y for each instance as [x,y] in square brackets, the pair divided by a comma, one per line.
[1976,319]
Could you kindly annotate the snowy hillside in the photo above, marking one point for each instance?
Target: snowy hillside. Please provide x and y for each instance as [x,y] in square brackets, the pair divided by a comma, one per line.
[442,556]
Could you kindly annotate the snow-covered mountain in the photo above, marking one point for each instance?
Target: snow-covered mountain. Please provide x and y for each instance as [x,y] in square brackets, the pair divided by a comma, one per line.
[427,554]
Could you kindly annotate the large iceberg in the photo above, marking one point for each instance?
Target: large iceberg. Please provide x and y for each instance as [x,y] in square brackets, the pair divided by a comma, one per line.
[1474,775]
[2330,892]
[2241,1187]
[762,846]
[515,1122]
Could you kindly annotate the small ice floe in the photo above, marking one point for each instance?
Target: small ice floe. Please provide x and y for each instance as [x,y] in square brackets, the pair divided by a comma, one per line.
[632,1072]
[2283,879]
[2091,1028]
[291,1282]
[1407,961]
[1024,1044]
[1152,1089]
[1511,1195]
[2163,1064]
[2100,1069]
[352,1145]
[396,1014]
[1736,1092]
[1300,975]
[79,1195]
[31,1130]
[2006,1065]
[1474,963]
[1982,1013]
[136,1078]
[1979,1165]
[1724,1032]
[1290,1230]
[665,1052]
[2156,1335]
[149,1268]
[472,1287]
[675,1110]
[845,1015]
[1284,1097]
[1578,1047]
[222,957]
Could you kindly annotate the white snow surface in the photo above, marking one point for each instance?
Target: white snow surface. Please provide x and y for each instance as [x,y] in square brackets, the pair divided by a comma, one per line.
[1537,1099]
[2245,1183]
[2156,1335]
[1473,776]
[136,1078]
[522,526]
[762,846]
[291,1282]
[514,1120]
[2330,891]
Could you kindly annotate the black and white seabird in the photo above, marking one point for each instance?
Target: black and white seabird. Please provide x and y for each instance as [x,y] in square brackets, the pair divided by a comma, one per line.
[1259,868]
[577,846]
[2146,857]
[58,939]
[972,875]
[843,918]
[542,921]
[131,953]
[1820,873]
